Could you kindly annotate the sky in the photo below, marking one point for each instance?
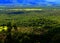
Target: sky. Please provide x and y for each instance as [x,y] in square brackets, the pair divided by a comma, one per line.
[29,2]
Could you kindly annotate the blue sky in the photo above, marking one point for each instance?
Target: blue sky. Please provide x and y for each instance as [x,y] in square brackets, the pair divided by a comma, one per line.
[29,2]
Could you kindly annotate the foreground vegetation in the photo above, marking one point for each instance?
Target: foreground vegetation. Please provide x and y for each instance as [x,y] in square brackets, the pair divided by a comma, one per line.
[30,26]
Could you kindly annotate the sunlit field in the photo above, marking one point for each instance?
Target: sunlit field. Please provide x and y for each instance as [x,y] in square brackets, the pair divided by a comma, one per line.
[30,25]
[3,28]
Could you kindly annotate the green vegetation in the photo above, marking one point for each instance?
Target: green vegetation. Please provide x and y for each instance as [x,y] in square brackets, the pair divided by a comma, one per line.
[30,26]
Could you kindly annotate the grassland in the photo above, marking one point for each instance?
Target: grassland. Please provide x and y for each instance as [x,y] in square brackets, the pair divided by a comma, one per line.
[33,26]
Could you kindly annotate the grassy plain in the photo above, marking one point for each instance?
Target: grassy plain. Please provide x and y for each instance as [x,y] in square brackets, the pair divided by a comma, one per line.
[33,26]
